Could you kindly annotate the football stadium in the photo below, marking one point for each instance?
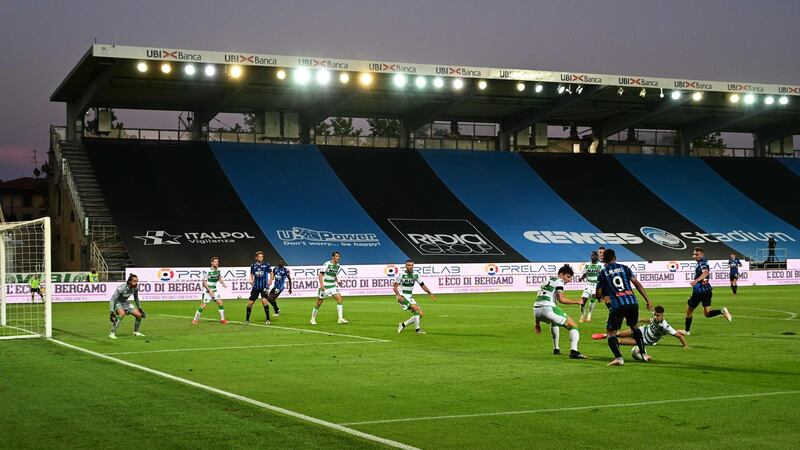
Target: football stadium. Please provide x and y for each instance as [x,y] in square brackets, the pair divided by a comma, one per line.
[510,258]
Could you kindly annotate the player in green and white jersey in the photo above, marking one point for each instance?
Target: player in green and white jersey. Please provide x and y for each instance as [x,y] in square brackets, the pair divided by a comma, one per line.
[546,310]
[403,290]
[213,276]
[590,272]
[656,328]
[329,287]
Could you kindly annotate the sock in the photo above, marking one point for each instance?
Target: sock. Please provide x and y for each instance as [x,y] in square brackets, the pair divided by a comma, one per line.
[735,288]
[221,312]
[266,311]
[592,304]
[116,324]
[613,344]
[583,308]
[555,331]
[197,314]
[410,320]
[417,318]
[274,304]
[314,312]
[639,338]
[340,310]
[249,310]
[688,323]
[574,337]
[137,324]
[714,313]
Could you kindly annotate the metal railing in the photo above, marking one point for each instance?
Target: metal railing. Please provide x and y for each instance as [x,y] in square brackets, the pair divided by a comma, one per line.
[97,261]
[69,182]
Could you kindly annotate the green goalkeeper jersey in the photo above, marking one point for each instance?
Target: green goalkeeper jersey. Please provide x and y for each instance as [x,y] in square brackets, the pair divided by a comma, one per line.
[34,283]
[407,281]
[329,271]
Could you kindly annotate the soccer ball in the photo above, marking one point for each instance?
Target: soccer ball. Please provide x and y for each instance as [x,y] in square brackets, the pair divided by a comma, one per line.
[636,354]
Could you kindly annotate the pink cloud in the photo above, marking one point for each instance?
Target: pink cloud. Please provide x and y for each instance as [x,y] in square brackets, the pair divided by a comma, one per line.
[17,161]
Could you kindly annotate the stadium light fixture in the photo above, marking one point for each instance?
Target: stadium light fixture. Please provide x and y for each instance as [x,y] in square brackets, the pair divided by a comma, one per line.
[579,89]
[399,80]
[538,88]
[365,79]
[189,69]
[166,68]
[323,77]
[749,99]
[344,78]
[281,74]
[643,92]
[697,96]
[482,84]
[458,83]
[142,67]
[661,92]
[676,95]
[560,89]
[235,71]
[210,70]
[769,100]
[302,76]
[520,86]
[620,91]
[783,100]
[420,82]
[438,83]
[734,98]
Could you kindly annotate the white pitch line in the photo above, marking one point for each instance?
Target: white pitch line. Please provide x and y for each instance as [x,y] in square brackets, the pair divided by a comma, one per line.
[304,330]
[241,347]
[241,398]
[572,408]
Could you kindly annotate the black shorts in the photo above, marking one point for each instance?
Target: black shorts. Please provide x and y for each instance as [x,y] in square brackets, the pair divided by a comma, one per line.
[628,312]
[254,294]
[274,293]
[698,298]
[734,276]
[36,290]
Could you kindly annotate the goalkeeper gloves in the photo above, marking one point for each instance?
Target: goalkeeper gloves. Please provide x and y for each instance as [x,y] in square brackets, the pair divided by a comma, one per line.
[144,316]
[113,317]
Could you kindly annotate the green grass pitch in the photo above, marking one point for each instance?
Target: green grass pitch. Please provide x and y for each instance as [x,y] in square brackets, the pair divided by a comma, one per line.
[480,378]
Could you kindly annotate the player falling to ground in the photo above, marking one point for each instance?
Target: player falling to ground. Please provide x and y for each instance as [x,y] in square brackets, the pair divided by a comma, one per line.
[614,287]
[210,292]
[329,287]
[121,306]
[590,272]
[260,279]
[734,264]
[35,286]
[282,278]
[403,290]
[546,310]
[656,328]
[702,291]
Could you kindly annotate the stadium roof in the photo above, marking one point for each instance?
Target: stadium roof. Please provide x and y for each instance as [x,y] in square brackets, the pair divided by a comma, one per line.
[131,77]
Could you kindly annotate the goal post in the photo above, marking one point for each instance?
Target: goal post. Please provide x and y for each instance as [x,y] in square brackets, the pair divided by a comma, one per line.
[26,309]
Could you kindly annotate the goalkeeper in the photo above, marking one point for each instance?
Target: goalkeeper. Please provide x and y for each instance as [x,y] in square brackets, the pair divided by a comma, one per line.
[120,305]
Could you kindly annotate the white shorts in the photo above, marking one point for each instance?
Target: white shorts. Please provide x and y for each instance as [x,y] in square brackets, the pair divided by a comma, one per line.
[408,301]
[207,298]
[589,292]
[330,292]
[551,315]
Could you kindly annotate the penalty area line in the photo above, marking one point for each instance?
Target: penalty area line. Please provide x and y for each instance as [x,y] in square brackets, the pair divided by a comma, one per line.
[238,347]
[241,398]
[571,408]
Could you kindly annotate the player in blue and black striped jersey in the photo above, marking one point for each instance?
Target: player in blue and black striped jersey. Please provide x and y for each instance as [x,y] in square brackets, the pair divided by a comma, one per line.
[733,265]
[702,291]
[282,278]
[260,278]
[614,288]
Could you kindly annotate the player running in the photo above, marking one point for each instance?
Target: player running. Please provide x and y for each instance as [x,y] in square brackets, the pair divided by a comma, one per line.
[614,287]
[329,287]
[260,279]
[35,286]
[702,291]
[590,272]
[281,277]
[403,290]
[210,292]
[734,264]
[546,310]
[656,328]
[120,306]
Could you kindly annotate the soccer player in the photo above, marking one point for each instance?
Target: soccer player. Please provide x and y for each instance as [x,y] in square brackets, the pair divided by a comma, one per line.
[281,276]
[590,272]
[403,291]
[546,310]
[734,264]
[614,287]
[600,251]
[260,278]
[702,291]
[329,287]
[656,328]
[120,306]
[34,285]
[210,292]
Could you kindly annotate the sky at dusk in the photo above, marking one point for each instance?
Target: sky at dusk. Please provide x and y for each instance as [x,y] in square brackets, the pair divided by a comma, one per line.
[736,40]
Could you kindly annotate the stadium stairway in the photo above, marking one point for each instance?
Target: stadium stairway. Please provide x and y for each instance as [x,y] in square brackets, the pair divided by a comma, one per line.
[102,230]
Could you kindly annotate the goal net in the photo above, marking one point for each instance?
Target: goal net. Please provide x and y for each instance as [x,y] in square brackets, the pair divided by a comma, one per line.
[25,282]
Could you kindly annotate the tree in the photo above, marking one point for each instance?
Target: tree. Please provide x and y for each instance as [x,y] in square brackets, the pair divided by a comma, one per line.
[343,126]
[322,129]
[713,140]
[384,127]
[250,123]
